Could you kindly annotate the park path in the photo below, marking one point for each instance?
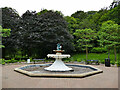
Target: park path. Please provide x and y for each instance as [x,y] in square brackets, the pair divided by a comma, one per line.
[12,79]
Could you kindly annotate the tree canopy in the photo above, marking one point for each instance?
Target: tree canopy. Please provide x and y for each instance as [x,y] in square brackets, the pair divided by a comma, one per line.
[43,31]
[36,34]
[84,37]
[4,33]
[108,35]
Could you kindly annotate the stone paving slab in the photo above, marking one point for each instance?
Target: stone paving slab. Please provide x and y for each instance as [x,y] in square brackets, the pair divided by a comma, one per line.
[12,79]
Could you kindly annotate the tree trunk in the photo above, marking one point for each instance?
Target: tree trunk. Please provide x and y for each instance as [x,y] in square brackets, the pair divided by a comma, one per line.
[14,55]
[108,53]
[86,53]
[3,52]
[115,52]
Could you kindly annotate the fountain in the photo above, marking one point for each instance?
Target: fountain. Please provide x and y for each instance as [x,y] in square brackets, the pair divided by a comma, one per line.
[58,65]
[58,68]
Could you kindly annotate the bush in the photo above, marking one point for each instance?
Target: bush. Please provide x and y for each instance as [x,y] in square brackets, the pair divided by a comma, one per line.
[15,61]
[2,61]
[78,60]
[66,61]
[23,60]
[7,61]
[118,63]
[102,61]
[98,50]
[11,61]
[112,62]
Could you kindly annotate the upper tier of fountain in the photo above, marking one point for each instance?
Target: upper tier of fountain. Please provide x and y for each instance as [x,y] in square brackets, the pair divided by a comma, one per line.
[58,56]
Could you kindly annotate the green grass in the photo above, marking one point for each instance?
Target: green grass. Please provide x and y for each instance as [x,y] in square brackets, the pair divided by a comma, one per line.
[77,57]
[92,56]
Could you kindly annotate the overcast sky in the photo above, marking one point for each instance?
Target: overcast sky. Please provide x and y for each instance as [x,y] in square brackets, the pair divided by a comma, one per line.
[67,7]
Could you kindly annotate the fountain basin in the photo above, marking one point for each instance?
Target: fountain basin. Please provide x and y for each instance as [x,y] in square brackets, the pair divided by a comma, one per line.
[37,70]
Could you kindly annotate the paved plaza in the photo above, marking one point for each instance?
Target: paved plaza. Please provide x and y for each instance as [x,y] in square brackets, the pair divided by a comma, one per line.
[12,79]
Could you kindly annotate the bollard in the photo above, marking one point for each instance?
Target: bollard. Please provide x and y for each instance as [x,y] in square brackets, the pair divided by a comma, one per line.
[28,60]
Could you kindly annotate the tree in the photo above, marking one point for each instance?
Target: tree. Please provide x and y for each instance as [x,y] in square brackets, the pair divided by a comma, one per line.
[39,34]
[114,4]
[4,33]
[86,23]
[73,24]
[95,18]
[85,36]
[79,14]
[10,19]
[108,35]
[112,14]
[42,11]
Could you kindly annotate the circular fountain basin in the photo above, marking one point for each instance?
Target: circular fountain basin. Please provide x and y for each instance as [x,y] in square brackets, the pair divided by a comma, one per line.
[37,70]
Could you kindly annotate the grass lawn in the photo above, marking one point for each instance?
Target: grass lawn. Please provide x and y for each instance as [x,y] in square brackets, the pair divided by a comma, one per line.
[92,56]
[78,57]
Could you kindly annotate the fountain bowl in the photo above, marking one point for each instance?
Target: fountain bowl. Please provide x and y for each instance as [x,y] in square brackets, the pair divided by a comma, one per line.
[58,51]
[37,70]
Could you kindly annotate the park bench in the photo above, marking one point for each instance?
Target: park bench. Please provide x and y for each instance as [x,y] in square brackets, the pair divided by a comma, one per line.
[38,60]
[92,61]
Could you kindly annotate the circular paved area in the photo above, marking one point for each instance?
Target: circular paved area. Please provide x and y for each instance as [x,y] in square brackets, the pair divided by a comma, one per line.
[12,79]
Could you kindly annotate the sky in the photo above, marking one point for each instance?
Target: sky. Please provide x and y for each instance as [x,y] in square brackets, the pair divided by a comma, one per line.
[67,7]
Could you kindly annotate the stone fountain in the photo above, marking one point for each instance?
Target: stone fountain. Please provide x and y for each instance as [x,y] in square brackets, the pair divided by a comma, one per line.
[58,68]
[58,65]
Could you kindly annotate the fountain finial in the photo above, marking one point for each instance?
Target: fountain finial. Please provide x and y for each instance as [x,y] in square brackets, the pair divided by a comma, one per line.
[59,46]
[59,51]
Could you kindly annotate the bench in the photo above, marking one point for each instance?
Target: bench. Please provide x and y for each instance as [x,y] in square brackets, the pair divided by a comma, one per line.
[92,61]
[38,60]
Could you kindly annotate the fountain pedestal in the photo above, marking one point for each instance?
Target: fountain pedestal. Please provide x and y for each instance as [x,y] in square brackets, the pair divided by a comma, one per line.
[58,65]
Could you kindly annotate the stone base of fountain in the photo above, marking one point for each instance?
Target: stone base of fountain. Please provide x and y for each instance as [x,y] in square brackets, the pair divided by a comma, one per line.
[58,65]
[37,70]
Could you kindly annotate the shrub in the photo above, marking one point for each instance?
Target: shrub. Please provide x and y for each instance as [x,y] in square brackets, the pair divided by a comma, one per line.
[2,61]
[102,61]
[118,63]
[23,61]
[20,60]
[112,62]
[66,61]
[15,61]
[78,60]
[7,61]
[11,61]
